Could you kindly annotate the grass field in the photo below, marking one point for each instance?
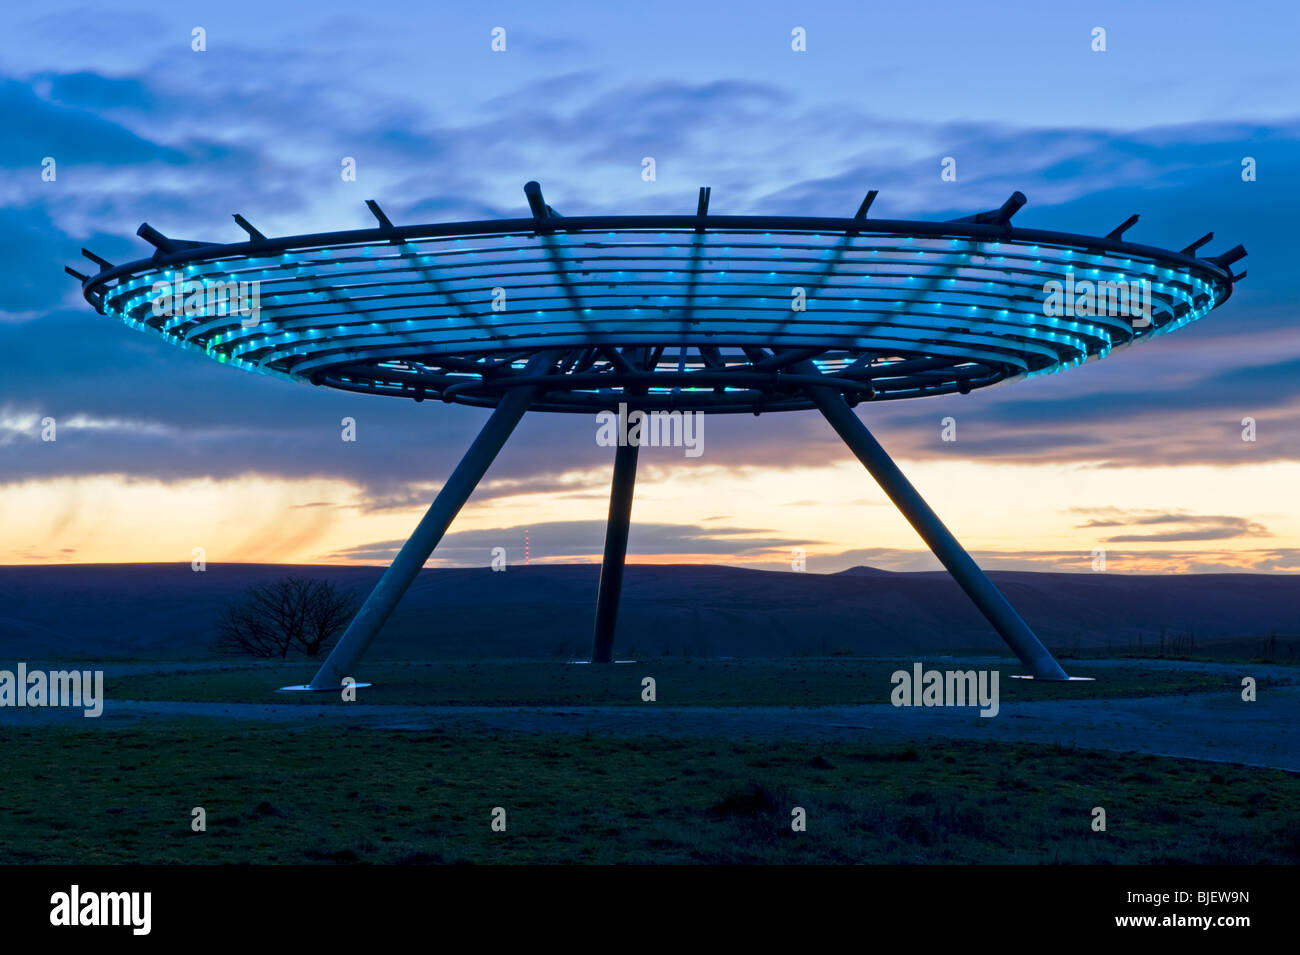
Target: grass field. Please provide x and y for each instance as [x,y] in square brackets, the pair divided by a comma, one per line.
[292,793]
[776,682]
[358,795]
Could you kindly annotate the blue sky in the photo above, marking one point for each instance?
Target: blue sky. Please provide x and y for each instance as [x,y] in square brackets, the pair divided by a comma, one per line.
[144,128]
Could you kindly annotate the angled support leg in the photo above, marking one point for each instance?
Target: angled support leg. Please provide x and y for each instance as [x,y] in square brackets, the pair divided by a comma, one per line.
[964,570]
[611,568]
[410,559]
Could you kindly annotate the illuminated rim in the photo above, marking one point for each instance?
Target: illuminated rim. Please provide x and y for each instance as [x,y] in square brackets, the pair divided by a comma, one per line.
[663,312]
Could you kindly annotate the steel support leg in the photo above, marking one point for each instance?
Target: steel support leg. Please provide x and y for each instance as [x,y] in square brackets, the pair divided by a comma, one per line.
[410,559]
[964,570]
[611,568]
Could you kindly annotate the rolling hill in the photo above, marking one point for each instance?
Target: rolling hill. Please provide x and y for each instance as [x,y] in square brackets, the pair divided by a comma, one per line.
[167,610]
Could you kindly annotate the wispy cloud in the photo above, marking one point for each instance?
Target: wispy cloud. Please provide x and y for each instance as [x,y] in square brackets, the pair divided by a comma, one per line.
[1182,526]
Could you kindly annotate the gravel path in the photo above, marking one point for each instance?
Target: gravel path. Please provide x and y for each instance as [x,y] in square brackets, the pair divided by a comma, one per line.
[1210,726]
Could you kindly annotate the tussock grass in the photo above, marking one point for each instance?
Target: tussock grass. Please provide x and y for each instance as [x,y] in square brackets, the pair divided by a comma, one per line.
[331,796]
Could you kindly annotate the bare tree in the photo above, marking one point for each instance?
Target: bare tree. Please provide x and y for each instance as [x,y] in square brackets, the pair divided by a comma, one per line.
[290,614]
[327,612]
[242,631]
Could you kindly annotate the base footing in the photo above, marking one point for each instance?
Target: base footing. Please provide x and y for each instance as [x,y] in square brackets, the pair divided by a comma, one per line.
[308,688]
[1068,679]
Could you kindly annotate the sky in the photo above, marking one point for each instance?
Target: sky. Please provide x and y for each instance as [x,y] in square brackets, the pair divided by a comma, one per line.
[160,451]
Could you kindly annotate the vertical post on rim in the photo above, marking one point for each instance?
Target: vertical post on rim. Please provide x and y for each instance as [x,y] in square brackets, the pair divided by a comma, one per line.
[410,559]
[951,554]
[611,567]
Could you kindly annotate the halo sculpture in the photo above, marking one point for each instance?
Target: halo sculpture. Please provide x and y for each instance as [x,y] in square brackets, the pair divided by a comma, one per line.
[720,314]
